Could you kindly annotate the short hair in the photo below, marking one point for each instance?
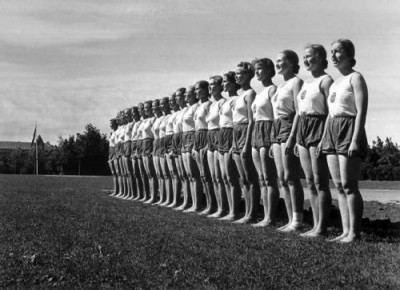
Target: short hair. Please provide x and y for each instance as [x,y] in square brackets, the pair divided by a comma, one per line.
[190,89]
[319,50]
[135,109]
[230,76]
[293,58]
[165,99]
[149,103]
[217,79]
[181,90]
[265,63]
[248,67]
[156,103]
[140,105]
[348,48]
[203,85]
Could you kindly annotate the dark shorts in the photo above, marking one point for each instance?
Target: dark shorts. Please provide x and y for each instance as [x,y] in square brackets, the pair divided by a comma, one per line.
[261,136]
[239,137]
[161,151]
[281,129]
[156,147]
[310,129]
[117,150]
[147,147]
[139,148]
[168,143]
[187,141]
[212,139]
[225,139]
[339,133]
[200,139]
[127,148]
[111,153]
[177,143]
[133,148]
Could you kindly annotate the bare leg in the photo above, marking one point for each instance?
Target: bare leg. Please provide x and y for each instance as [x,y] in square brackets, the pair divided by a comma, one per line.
[160,181]
[115,178]
[151,173]
[284,186]
[334,168]
[174,180]
[349,173]
[185,181]
[244,184]
[196,186]
[118,167]
[167,180]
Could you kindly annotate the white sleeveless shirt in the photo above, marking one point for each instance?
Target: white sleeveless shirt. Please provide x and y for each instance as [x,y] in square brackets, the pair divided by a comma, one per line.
[156,127]
[262,107]
[188,118]
[310,99]
[135,135]
[147,131]
[201,114]
[341,100]
[213,115]
[169,129]
[111,142]
[225,113]
[283,100]
[179,120]
[239,114]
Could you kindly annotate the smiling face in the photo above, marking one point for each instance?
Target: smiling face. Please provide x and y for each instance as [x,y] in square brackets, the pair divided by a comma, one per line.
[262,72]
[311,60]
[241,76]
[282,64]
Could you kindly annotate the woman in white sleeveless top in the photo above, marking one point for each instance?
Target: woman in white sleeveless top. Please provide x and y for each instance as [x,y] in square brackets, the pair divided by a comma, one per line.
[229,174]
[200,144]
[166,181]
[283,137]
[111,155]
[217,100]
[192,171]
[177,143]
[126,157]
[312,110]
[243,124]
[136,180]
[144,194]
[345,141]
[155,155]
[122,121]
[148,143]
[261,140]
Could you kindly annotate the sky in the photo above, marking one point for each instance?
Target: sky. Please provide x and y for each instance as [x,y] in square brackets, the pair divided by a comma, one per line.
[64,64]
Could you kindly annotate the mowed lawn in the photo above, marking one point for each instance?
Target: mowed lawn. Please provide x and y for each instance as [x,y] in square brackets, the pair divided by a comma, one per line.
[65,232]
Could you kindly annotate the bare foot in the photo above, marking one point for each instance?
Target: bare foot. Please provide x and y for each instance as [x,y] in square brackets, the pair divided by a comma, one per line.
[192,209]
[350,238]
[206,211]
[264,223]
[229,217]
[243,220]
[308,232]
[337,239]
[316,234]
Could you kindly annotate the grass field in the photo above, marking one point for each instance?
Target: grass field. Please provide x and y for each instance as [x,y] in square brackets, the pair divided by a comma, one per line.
[66,232]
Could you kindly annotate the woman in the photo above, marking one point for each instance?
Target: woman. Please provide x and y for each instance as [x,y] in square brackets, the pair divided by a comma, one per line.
[177,147]
[166,181]
[261,141]
[215,90]
[136,181]
[229,172]
[156,130]
[126,157]
[148,140]
[242,131]
[188,129]
[111,155]
[120,152]
[145,193]
[312,110]
[200,143]
[283,136]
[345,141]
[169,153]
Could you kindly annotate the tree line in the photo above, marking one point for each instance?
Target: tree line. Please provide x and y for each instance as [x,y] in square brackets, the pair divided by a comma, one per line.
[81,154]
[87,154]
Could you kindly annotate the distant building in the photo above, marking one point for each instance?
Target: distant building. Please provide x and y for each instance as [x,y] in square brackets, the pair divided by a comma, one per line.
[6,150]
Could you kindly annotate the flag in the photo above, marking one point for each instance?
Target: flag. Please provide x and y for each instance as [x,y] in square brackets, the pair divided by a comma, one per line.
[34,136]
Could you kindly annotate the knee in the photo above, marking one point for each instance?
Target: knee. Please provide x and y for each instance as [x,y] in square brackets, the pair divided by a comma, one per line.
[261,180]
[349,189]
[310,183]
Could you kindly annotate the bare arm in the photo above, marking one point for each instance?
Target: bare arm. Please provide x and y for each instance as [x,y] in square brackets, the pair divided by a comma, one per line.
[297,84]
[325,86]
[361,100]
[249,98]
